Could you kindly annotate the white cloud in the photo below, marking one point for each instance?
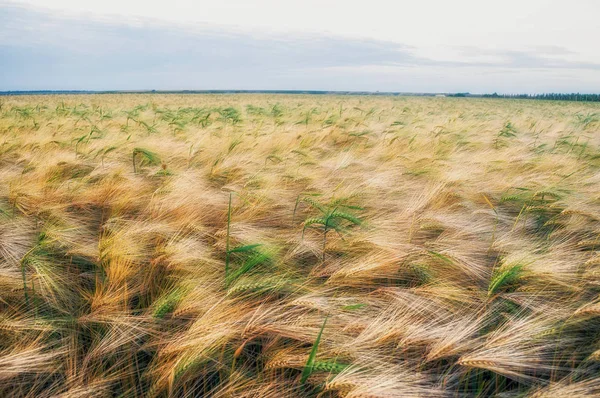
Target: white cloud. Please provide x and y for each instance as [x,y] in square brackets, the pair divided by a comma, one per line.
[534,45]
[509,24]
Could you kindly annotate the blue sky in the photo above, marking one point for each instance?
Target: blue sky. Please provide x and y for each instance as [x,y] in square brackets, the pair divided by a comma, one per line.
[376,46]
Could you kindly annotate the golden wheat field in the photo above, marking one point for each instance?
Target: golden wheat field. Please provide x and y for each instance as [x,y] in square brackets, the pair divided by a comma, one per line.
[298,246]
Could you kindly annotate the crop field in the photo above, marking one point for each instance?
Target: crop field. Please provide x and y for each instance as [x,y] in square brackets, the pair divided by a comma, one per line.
[276,246]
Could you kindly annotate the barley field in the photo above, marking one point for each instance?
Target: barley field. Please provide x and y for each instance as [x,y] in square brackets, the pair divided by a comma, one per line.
[298,246]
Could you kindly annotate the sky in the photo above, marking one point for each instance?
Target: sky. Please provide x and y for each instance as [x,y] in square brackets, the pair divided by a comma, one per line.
[432,46]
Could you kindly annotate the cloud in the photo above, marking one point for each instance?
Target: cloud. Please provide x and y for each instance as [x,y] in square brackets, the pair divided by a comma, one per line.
[53,49]
[540,57]
[47,50]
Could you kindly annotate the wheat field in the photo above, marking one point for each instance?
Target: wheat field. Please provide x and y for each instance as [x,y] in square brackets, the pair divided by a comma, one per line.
[298,246]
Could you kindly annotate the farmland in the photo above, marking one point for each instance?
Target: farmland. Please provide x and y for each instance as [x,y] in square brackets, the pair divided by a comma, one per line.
[295,245]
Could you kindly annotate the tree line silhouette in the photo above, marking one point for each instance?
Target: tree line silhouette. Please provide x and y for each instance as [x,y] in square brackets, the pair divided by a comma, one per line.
[549,96]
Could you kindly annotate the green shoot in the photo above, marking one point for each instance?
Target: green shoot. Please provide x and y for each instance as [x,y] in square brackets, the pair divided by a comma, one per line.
[309,367]
[227,252]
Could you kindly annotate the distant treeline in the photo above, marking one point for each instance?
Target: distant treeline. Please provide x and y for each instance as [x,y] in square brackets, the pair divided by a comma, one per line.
[552,96]
[548,96]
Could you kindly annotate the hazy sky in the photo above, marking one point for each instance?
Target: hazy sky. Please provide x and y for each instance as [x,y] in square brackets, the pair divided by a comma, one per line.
[522,46]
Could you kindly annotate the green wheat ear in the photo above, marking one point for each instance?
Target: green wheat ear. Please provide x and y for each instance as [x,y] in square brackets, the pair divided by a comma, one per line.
[246,248]
[255,260]
[298,198]
[274,158]
[329,366]
[353,307]
[167,303]
[310,221]
[148,156]
[105,152]
[186,366]
[506,278]
[422,273]
[330,220]
[315,204]
[348,217]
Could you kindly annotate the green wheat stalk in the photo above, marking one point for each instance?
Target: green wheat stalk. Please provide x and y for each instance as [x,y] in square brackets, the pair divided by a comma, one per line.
[227,252]
[310,363]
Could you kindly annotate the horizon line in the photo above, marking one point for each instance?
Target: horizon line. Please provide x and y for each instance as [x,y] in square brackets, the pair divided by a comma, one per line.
[280,91]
